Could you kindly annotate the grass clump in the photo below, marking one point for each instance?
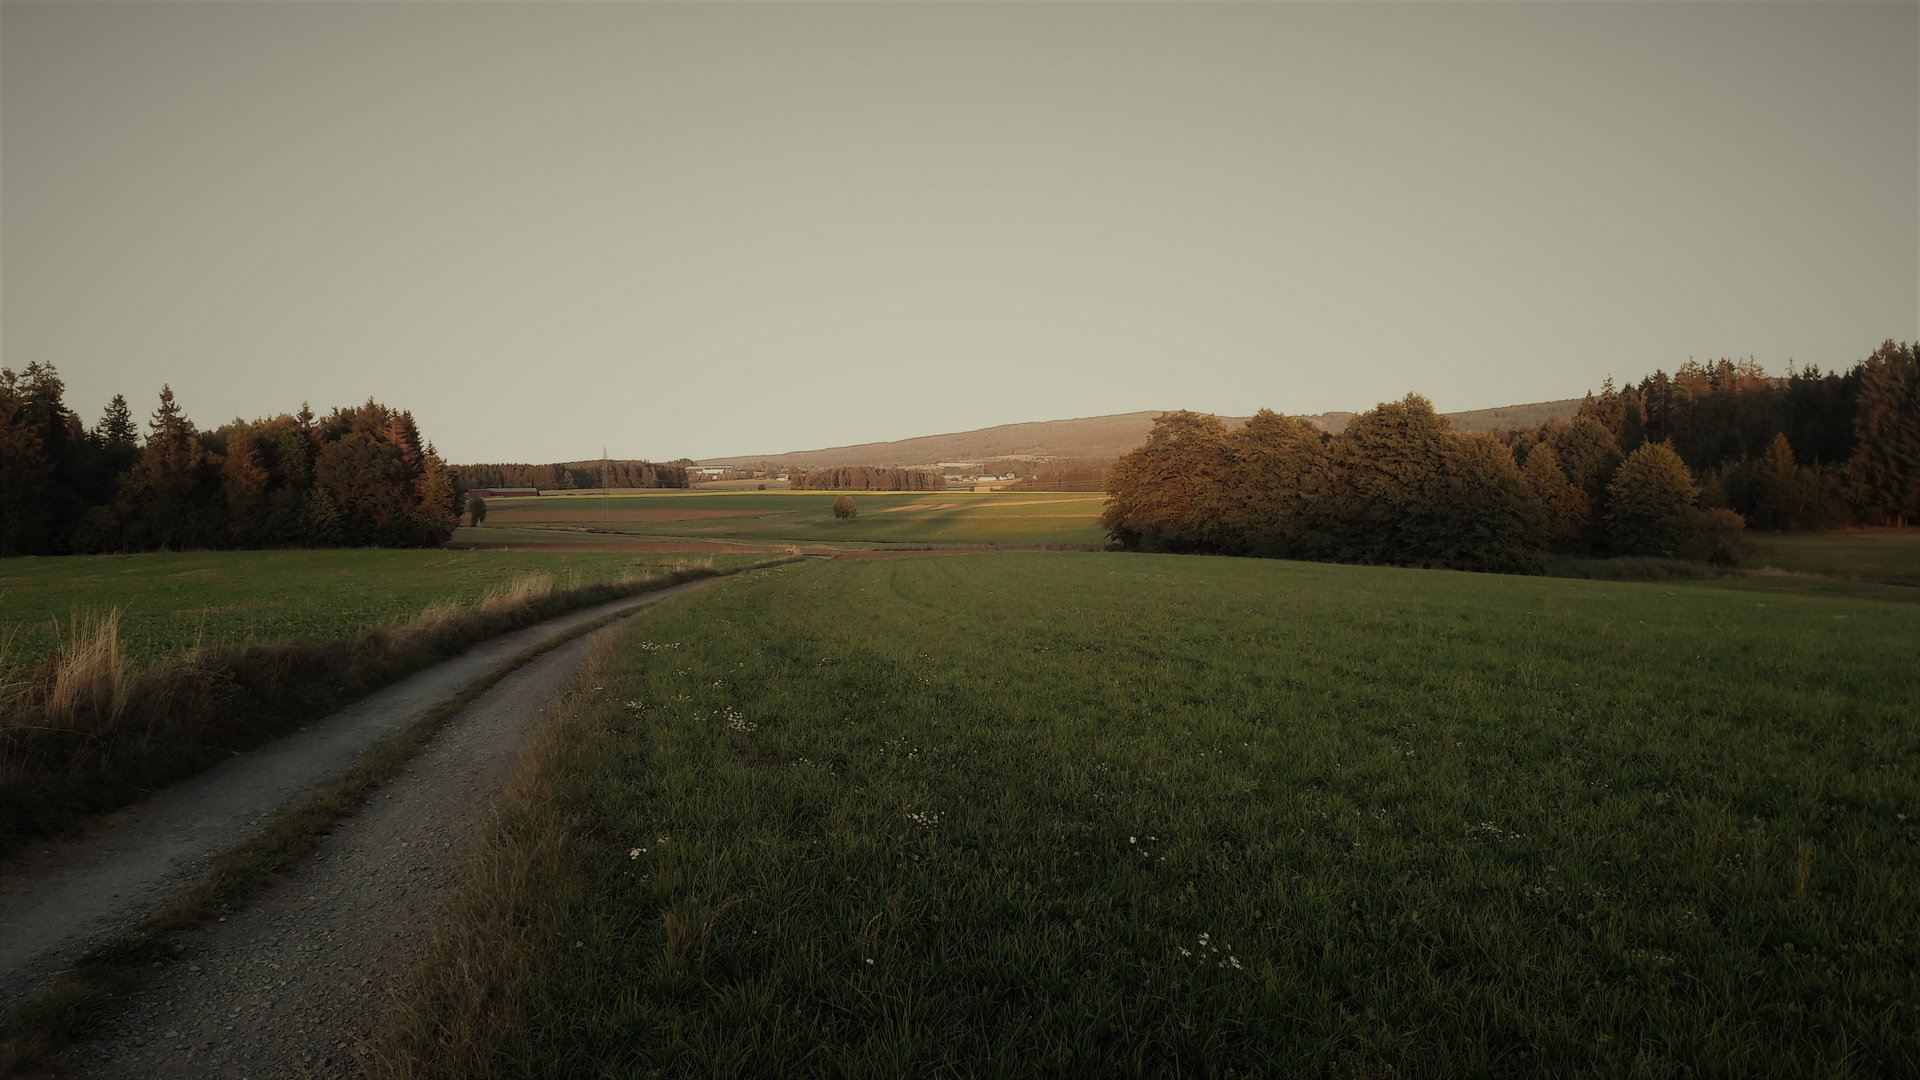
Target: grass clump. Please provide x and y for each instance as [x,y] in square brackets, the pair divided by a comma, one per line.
[1152,815]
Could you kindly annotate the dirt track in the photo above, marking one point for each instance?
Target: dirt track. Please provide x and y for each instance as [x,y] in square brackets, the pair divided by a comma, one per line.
[295,983]
[61,898]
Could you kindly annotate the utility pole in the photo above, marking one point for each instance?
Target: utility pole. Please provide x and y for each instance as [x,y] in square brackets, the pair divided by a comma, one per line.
[606,464]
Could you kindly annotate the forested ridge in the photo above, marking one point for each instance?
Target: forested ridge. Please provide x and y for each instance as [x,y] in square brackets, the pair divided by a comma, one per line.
[866,478]
[361,475]
[571,475]
[1671,466]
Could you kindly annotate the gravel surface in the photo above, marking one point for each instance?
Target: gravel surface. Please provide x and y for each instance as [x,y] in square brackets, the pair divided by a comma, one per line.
[294,984]
[61,898]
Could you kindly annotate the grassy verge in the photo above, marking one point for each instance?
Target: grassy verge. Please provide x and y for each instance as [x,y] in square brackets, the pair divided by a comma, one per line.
[171,604]
[69,1008]
[1143,815]
[87,734]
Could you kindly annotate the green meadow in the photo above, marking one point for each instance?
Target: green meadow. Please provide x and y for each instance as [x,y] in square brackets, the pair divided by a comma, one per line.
[1101,814]
[884,517]
[1887,557]
[171,602]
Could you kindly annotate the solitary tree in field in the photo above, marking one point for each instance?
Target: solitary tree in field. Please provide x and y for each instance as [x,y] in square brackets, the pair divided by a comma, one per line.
[1650,503]
[844,509]
[476,510]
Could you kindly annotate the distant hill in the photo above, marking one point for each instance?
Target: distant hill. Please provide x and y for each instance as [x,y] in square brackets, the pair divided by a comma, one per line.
[1510,417]
[1097,437]
[1091,437]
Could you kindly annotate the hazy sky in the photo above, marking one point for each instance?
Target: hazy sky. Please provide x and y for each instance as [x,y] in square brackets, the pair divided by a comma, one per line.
[717,229]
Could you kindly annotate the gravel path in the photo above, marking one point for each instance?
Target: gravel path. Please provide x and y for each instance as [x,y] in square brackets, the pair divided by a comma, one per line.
[60,899]
[295,983]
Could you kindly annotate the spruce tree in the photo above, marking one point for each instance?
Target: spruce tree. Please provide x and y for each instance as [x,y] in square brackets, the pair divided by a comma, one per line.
[1777,493]
[1884,473]
[244,485]
[25,474]
[170,473]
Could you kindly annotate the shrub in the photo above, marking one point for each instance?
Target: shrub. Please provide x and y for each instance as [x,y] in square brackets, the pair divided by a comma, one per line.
[476,510]
[1717,538]
[844,509]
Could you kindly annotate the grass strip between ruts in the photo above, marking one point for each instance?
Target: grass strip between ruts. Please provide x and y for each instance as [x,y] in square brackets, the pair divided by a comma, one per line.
[68,1009]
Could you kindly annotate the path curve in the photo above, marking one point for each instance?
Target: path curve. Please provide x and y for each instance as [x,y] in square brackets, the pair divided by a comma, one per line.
[295,984]
[61,898]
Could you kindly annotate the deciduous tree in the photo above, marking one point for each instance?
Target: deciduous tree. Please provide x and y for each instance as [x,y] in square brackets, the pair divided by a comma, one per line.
[1650,503]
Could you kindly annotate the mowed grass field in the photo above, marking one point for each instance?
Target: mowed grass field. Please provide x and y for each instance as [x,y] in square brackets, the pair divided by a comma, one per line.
[1100,814]
[913,518]
[170,603]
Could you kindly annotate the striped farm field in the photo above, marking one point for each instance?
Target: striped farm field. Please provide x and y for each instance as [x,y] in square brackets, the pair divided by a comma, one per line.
[941,518]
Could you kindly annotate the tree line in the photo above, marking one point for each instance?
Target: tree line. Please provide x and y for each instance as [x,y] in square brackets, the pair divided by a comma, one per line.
[866,478]
[573,475]
[361,475]
[1811,450]
[1065,474]
[1398,486]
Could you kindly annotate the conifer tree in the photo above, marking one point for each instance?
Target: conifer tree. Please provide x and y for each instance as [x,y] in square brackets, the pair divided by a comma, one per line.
[1777,487]
[244,485]
[170,467]
[437,514]
[364,479]
[25,473]
[1884,472]
[116,428]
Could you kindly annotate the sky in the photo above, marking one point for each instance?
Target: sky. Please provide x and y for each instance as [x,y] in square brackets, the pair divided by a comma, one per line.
[733,228]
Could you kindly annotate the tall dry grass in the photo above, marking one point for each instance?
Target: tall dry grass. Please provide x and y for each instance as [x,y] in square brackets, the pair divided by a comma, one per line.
[84,732]
[87,676]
